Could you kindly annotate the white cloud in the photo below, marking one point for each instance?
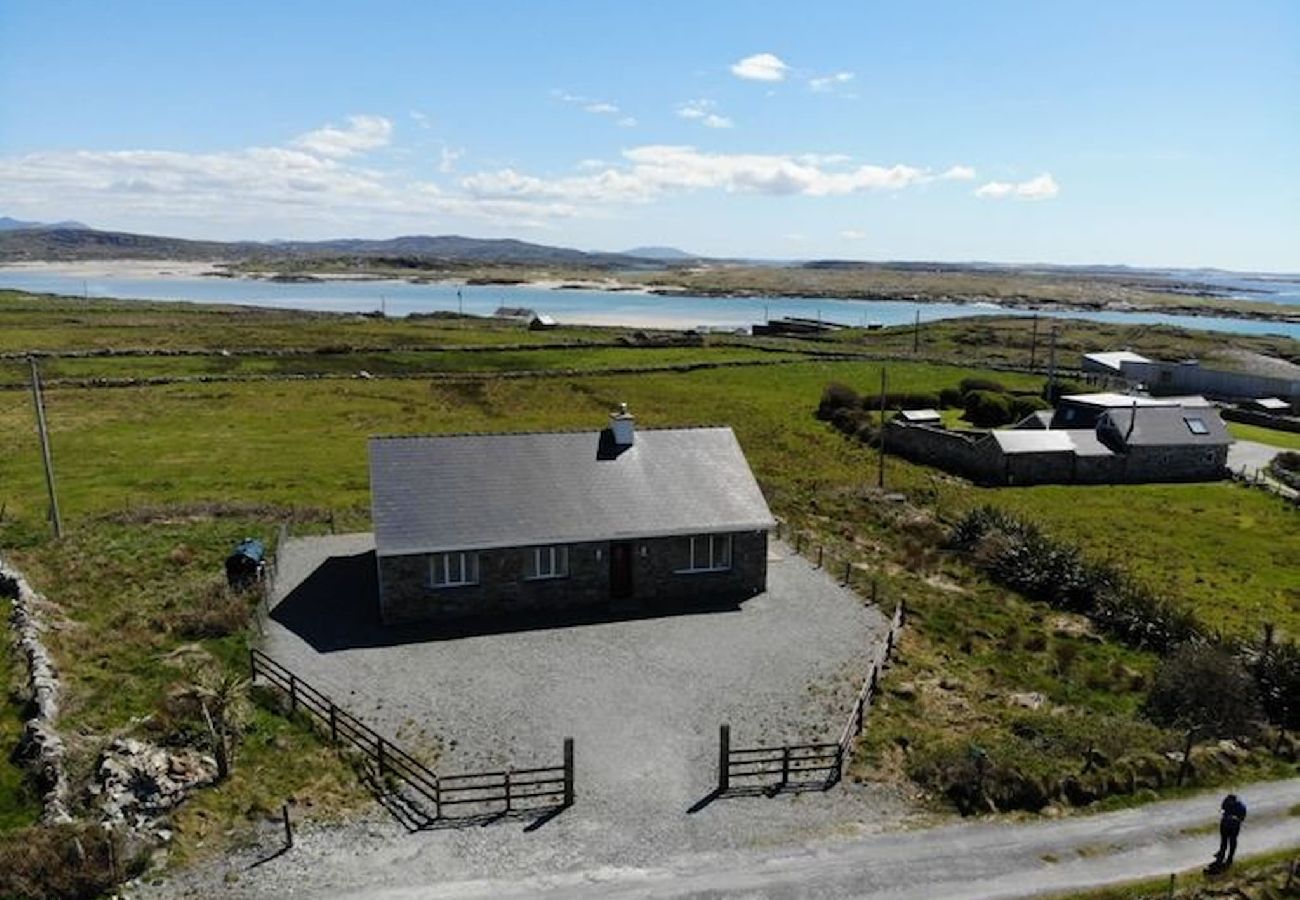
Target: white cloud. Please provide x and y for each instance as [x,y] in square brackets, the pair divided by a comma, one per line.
[595,107]
[702,112]
[760,67]
[828,83]
[1043,187]
[361,134]
[959,173]
[421,119]
[447,158]
[308,187]
[652,170]
[852,234]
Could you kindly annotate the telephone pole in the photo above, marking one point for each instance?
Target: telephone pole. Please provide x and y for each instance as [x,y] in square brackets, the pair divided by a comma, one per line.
[1051,369]
[39,402]
[916,333]
[1033,344]
[880,472]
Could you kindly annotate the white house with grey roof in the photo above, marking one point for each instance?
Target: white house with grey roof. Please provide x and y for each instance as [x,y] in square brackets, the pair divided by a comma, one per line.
[475,525]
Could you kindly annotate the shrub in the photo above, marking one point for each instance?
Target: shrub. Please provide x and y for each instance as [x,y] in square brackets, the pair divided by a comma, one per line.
[1022,407]
[966,385]
[837,396]
[217,612]
[63,862]
[988,409]
[951,398]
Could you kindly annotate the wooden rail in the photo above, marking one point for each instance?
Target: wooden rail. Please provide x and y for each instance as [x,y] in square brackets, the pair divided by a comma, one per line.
[787,767]
[507,791]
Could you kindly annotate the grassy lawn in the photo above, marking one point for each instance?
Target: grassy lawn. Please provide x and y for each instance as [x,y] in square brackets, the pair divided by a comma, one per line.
[156,483]
[19,804]
[1285,439]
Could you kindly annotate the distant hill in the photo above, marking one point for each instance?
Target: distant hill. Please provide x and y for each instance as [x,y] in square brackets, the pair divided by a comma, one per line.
[8,224]
[66,244]
[659,253]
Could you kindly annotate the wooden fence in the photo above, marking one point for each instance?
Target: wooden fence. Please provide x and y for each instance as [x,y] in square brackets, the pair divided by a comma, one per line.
[542,789]
[814,766]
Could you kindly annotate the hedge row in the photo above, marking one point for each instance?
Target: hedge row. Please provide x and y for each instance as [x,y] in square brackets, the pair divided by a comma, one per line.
[1017,554]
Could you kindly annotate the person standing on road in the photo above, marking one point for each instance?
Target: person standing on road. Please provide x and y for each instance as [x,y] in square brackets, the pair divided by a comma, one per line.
[1234,813]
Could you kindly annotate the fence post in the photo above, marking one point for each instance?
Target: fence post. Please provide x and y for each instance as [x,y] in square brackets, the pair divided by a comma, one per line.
[900,613]
[437,797]
[857,728]
[334,723]
[288,826]
[875,681]
[724,759]
[875,591]
[568,771]
[508,799]
[379,753]
[798,541]
[252,663]
[848,572]
[785,765]
[293,694]
[820,551]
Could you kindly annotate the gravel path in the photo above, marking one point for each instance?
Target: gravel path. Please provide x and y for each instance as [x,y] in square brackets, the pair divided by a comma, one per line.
[642,698]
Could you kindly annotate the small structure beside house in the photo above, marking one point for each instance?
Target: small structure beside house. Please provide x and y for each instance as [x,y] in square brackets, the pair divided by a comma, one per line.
[489,525]
[1270,405]
[542,322]
[1110,363]
[920,417]
[1087,439]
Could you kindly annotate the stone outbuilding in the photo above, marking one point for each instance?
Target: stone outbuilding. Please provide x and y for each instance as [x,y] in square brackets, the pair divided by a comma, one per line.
[489,525]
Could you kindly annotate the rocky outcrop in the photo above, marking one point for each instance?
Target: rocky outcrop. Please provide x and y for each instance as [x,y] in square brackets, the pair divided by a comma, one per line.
[136,783]
[41,746]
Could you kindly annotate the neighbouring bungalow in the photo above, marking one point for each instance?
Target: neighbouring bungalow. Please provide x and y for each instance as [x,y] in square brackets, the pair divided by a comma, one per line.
[488,525]
[1269,405]
[542,322]
[1088,439]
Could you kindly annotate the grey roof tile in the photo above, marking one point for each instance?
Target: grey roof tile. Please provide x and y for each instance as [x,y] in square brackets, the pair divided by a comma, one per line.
[448,492]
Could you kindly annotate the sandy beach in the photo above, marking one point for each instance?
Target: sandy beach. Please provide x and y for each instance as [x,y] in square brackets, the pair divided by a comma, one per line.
[117,268]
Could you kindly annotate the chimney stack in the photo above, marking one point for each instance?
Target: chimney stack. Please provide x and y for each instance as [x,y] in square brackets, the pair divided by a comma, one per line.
[623,425]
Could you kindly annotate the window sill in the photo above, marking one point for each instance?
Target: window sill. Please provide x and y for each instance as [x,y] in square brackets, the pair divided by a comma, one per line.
[546,577]
[701,571]
[450,587]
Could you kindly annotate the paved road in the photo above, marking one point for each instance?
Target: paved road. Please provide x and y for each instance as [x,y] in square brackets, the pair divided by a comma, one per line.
[1249,456]
[962,862]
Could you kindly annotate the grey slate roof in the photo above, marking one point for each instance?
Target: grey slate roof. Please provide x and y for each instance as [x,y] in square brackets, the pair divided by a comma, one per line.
[479,491]
[1080,441]
[1165,426]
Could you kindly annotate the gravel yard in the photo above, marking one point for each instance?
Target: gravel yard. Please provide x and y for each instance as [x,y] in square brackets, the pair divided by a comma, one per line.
[643,699]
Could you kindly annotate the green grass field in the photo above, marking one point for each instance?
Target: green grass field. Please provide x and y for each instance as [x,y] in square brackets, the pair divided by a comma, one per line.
[1287,440]
[157,482]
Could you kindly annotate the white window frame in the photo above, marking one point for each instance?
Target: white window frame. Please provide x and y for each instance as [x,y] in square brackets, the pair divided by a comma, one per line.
[547,562]
[462,564]
[1196,425]
[708,553]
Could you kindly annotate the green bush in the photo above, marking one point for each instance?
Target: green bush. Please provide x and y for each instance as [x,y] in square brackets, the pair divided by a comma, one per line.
[966,385]
[1022,407]
[987,409]
[951,398]
[63,862]
[837,396]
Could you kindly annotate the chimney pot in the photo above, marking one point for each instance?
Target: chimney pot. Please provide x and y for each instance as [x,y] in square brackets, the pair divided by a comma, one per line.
[623,426]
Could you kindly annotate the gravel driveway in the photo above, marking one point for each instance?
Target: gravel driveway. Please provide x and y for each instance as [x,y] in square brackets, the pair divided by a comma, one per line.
[643,698]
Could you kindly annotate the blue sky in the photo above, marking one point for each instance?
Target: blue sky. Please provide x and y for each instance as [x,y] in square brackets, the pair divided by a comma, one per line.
[1143,133]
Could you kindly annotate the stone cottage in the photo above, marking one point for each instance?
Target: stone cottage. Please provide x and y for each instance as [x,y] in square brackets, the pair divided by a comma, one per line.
[486,525]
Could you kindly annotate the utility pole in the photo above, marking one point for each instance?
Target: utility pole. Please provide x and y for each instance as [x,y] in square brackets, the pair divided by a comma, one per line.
[916,333]
[39,402]
[880,476]
[1033,344]
[383,306]
[460,303]
[1051,369]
